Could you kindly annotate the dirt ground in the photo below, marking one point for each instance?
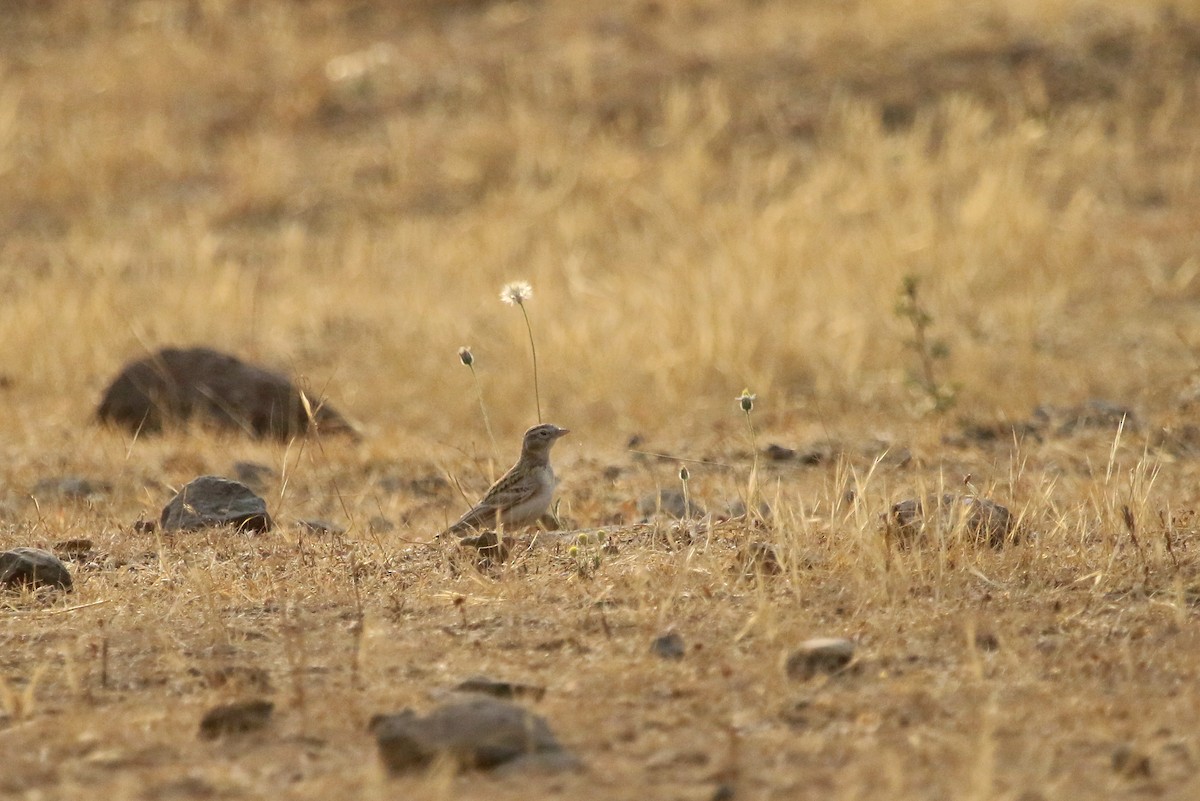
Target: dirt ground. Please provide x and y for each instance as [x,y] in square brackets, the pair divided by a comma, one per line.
[705,197]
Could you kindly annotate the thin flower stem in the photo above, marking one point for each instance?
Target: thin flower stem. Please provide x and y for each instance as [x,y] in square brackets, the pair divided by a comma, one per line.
[483,410]
[537,394]
[746,403]
[754,464]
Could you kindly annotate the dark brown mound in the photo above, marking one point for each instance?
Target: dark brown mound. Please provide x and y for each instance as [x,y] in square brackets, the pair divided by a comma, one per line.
[178,384]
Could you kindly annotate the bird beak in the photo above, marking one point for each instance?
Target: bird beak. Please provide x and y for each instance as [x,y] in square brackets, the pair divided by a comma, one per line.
[562,432]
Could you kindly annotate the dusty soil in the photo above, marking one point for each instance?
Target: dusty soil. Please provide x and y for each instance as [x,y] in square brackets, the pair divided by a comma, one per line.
[705,197]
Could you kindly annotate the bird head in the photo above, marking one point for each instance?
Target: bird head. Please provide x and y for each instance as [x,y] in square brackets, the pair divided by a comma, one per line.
[540,438]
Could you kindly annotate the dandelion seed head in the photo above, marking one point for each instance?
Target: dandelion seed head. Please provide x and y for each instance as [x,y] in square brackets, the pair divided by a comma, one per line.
[582,539]
[516,293]
[746,400]
[464,356]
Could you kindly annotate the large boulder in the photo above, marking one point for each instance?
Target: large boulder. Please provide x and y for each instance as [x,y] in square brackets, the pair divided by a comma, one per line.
[177,384]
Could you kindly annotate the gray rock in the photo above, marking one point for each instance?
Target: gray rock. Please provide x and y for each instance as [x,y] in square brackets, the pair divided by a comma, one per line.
[33,567]
[669,502]
[177,384]
[481,733]
[821,655]
[213,502]
[669,646]
[235,718]
[982,520]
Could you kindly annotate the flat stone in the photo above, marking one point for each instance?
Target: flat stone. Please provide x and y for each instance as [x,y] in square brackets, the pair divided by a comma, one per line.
[235,718]
[33,567]
[175,385]
[479,733]
[821,655]
[214,502]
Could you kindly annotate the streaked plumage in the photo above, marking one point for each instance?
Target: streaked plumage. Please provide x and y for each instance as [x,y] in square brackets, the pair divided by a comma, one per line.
[522,495]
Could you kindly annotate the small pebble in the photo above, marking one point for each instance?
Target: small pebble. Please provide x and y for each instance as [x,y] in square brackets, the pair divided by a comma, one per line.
[1131,762]
[669,646]
[821,655]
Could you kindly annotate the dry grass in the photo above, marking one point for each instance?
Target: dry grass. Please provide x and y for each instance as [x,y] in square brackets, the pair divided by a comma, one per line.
[706,196]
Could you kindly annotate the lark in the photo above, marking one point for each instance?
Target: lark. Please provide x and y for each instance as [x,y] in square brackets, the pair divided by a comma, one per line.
[522,495]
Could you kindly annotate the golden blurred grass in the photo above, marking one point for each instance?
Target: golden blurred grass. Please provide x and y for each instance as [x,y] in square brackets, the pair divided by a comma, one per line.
[706,196]
[757,193]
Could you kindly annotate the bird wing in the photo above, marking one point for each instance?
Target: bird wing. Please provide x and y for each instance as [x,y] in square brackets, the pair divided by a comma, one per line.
[509,490]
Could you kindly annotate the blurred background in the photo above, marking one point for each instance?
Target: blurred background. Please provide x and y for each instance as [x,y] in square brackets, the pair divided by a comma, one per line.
[704,195]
